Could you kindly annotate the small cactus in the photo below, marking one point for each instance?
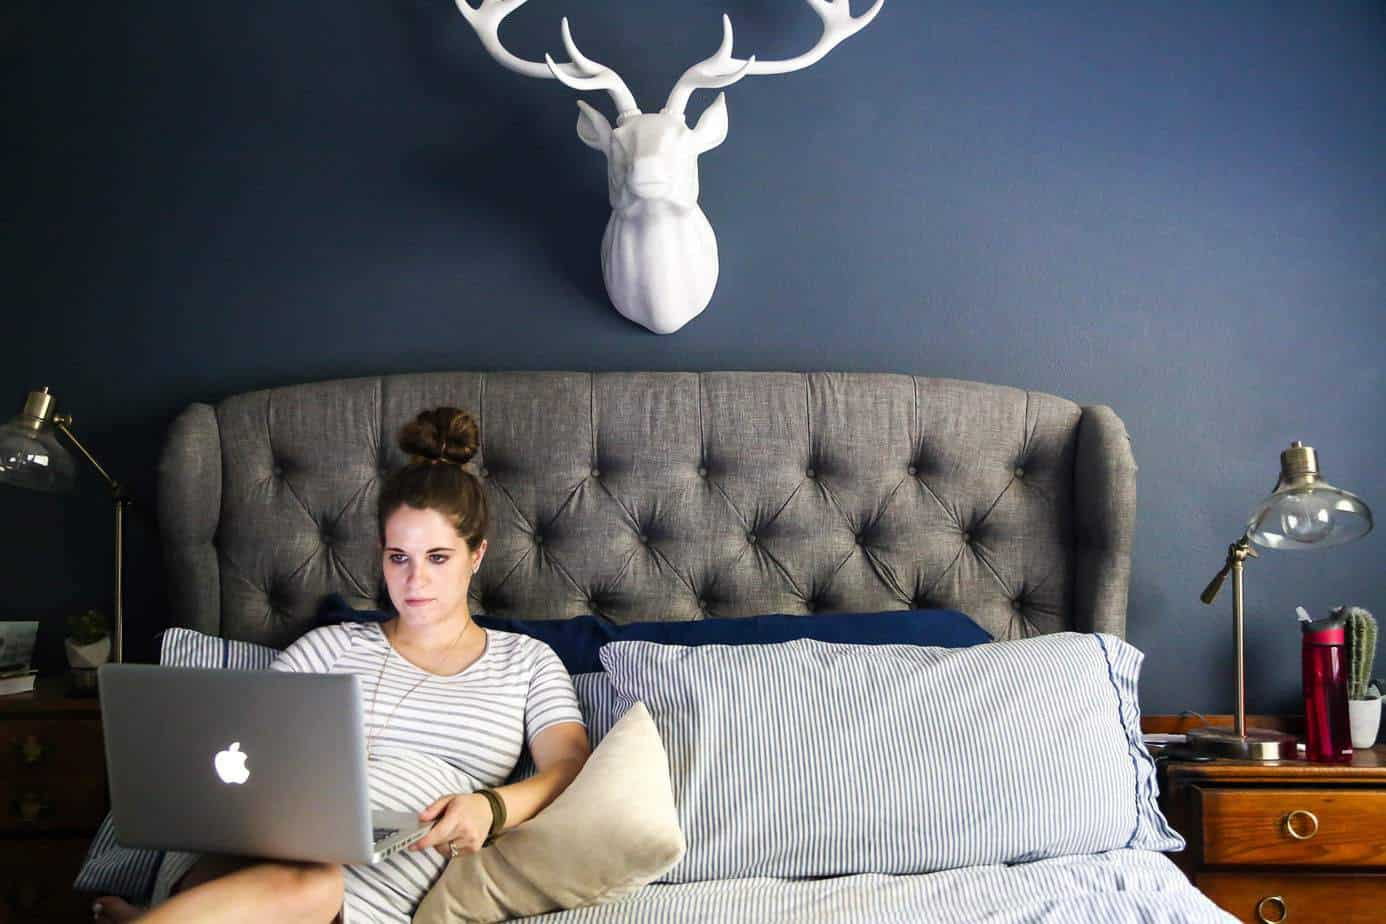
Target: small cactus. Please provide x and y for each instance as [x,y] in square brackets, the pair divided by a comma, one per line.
[1361,632]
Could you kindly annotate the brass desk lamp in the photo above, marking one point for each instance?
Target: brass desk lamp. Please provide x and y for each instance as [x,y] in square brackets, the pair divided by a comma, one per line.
[31,457]
[1303,512]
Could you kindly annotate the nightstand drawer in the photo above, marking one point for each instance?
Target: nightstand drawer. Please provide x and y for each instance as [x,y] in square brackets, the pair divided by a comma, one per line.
[1299,827]
[60,803]
[1298,897]
[36,881]
[35,749]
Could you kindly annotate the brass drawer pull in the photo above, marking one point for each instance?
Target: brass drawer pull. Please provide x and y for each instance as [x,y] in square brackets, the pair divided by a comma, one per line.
[31,750]
[1261,909]
[1290,826]
[30,807]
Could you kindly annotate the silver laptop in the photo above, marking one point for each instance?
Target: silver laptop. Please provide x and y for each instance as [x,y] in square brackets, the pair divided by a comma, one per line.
[257,763]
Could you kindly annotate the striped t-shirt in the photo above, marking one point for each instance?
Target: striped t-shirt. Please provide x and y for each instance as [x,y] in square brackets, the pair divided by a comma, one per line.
[428,736]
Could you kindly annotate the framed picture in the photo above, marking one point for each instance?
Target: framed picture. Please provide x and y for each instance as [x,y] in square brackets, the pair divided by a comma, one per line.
[17,645]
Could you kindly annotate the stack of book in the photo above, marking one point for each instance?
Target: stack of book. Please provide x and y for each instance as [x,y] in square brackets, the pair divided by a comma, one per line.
[17,680]
[16,657]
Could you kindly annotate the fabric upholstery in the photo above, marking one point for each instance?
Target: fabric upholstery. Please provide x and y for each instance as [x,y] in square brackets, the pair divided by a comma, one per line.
[809,759]
[671,496]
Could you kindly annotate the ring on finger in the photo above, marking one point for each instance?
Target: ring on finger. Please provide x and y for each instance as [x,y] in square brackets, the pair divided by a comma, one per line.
[452,847]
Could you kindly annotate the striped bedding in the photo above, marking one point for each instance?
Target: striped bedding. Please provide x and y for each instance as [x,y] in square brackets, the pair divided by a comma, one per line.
[1120,886]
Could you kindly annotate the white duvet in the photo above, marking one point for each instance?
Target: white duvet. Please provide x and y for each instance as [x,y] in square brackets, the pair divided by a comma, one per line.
[1104,888]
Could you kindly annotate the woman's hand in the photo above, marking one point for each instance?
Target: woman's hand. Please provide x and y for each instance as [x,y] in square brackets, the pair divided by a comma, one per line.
[460,821]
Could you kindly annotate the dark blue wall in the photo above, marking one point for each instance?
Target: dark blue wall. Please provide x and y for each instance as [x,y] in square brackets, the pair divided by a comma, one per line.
[1177,209]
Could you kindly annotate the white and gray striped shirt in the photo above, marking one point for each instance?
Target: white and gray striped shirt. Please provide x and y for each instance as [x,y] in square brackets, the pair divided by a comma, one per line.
[428,736]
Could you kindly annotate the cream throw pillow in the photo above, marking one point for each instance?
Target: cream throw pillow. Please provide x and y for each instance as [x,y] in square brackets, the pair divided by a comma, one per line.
[613,830]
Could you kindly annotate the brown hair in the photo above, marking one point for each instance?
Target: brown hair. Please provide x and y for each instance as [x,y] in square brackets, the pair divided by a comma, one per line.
[439,442]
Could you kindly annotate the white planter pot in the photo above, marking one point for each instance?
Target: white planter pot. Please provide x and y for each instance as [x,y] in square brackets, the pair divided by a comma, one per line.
[1364,720]
[88,656]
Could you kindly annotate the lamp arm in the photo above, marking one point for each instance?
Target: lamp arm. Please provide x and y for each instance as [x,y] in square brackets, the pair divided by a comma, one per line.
[61,421]
[122,500]
[1240,550]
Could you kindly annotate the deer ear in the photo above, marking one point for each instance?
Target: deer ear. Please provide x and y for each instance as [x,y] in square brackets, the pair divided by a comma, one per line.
[711,129]
[593,128]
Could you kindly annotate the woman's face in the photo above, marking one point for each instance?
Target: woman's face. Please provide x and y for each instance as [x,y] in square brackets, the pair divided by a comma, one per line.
[428,567]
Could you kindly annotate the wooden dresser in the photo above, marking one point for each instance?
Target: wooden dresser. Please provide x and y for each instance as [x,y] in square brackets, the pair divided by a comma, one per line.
[52,799]
[1284,840]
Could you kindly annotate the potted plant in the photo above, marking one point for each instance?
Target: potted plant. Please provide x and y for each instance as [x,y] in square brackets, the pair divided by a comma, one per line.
[1364,697]
[88,643]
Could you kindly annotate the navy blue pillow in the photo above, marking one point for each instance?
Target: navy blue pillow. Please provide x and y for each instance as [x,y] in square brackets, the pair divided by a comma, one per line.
[576,640]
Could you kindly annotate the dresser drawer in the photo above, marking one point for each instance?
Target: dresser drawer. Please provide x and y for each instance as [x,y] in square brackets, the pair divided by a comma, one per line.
[1299,827]
[36,881]
[1298,898]
[34,749]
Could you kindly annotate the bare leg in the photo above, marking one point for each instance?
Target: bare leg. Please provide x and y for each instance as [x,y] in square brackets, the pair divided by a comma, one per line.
[112,909]
[268,892]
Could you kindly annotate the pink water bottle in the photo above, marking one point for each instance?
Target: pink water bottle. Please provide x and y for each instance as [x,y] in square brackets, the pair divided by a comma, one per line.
[1324,660]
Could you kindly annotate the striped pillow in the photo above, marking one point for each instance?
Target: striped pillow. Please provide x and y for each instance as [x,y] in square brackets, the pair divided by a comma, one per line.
[111,869]
[813,759]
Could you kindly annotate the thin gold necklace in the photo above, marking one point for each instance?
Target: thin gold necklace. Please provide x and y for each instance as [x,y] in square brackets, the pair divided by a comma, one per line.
[375,694]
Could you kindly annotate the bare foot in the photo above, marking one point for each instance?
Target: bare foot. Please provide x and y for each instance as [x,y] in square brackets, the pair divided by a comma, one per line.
[110,909]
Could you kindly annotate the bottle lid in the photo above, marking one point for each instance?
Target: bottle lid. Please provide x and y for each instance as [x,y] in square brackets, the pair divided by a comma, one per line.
[1331,630]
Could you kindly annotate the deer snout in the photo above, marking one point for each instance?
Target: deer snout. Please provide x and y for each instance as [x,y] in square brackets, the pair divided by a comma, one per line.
[649,176]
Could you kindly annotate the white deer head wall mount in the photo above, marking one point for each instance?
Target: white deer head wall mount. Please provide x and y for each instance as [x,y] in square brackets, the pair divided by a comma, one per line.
[659,254]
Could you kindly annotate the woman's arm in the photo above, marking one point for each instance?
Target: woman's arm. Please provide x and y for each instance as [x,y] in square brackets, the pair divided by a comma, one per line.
[559,752]
[463,821]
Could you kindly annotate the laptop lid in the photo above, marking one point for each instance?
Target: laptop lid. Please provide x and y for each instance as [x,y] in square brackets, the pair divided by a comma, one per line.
[258,763]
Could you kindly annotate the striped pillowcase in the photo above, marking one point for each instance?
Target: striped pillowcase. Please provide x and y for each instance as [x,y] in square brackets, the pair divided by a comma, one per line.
[110,869]
[809,759]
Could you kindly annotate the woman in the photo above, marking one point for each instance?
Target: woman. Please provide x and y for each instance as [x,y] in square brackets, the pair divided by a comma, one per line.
[447,707]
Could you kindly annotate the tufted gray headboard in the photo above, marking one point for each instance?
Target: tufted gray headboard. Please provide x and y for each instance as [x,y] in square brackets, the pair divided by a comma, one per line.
[664,496]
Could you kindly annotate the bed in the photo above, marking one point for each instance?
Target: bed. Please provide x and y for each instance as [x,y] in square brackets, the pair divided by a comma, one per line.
[686,496]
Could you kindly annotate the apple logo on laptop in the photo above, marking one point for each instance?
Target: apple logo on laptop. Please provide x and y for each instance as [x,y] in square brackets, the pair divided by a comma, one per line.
[230,765]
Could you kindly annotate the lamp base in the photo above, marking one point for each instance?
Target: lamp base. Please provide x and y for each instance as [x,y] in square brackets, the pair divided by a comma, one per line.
[1256,744]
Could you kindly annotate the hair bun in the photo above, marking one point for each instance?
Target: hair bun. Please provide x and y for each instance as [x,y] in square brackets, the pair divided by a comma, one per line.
[444,434]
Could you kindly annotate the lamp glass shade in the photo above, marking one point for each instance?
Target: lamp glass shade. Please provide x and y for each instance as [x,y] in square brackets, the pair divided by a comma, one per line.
[1307,516]
[34,459]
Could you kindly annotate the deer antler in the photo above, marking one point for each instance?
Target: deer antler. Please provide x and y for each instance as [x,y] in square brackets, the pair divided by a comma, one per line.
[581,74]
[594,76]
[721,69]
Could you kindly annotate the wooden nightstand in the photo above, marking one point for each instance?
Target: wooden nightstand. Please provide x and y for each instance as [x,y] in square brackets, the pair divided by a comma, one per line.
[52,799]
[1284,840]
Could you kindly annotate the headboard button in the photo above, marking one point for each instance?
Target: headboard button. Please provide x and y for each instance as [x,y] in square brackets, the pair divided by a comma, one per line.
[912,470]
[1019,471]
[810,473]
[702,472]
[596,473]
